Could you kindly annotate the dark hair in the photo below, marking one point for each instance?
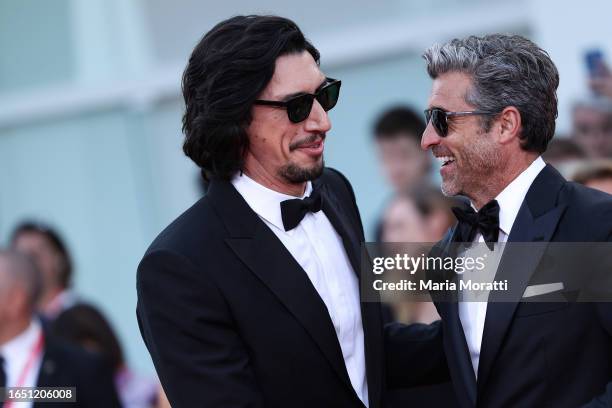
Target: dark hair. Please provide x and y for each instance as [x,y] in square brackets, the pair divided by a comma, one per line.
[428,199]
[506,70]
[399,121]
[593,170]
[227,71]
[563,148]
[53,237]
[84,325]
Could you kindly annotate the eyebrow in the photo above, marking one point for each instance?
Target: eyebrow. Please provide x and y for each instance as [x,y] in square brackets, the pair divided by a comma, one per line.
[438,107]
[293,95]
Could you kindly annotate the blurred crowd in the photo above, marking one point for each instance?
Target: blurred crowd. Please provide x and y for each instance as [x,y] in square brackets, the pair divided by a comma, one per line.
[42,318]
[50,336]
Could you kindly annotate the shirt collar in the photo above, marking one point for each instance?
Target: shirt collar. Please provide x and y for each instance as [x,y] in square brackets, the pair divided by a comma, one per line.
[264,201]
[23,343]
[511,197]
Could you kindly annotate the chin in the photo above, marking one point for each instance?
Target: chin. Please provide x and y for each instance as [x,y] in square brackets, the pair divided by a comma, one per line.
[295,173]
[449,188]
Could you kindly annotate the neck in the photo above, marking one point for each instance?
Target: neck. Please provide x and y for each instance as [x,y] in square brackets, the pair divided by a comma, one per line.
[48,297]
[499,179]
[14,328]
[257,172]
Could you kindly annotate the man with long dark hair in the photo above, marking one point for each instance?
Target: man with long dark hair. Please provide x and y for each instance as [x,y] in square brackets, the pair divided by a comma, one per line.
[251,297]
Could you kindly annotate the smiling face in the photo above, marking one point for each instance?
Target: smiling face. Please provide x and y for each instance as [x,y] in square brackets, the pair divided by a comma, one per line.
[283,154]
[468,155]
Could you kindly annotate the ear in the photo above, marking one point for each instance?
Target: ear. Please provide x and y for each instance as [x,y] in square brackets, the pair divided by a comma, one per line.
[509,122]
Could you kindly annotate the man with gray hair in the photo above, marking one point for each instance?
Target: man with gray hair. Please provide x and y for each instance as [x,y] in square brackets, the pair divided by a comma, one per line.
[30,358]
[490,116]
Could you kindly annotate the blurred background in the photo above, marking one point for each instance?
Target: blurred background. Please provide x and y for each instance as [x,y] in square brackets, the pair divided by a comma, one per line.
[90,113]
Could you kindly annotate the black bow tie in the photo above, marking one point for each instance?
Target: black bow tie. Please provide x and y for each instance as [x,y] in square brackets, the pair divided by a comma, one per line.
[486,220]
[294,210]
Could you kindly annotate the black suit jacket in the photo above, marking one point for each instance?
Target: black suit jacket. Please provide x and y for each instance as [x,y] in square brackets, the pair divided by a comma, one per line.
[556,354]
[65,365]
[232,320]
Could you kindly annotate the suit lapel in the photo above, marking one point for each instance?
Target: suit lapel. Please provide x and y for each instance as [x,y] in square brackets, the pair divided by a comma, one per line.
[370,311]
[265,255]
[48,374]
[332,210]
[459,360]
[536,222]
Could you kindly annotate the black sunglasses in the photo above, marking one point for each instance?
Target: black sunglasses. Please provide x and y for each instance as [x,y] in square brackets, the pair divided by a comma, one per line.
[299,107]
[439,118]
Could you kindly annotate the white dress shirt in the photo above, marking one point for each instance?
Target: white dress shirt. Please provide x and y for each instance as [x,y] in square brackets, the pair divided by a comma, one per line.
[318,248]
[16,353]
[472,314]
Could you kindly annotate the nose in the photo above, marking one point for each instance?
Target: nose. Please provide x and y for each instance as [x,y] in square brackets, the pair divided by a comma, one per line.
[318,120]
[430,137]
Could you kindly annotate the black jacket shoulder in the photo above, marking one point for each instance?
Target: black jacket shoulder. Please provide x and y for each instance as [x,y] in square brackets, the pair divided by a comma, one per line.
[67,365]
[588,214]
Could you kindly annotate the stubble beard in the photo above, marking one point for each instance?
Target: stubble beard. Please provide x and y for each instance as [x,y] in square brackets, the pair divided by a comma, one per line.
[295,174]
[480,164]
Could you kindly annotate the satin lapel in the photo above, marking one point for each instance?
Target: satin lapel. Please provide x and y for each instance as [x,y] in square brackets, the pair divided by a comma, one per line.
[460,363]
[536,222]
[333,212]
[370,311]
[265,255]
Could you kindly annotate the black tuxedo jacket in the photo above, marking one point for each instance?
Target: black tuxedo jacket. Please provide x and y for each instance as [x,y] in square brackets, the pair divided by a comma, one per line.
[65,365]
[553,354]
[232,320]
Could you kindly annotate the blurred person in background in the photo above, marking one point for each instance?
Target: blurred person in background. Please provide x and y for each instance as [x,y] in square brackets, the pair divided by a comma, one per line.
[421,215]
[592,126]
[397,134]
[596,174]
[562,150]
[48,251]
[601,82]
[86,326]
[30,357]
[565,155]
[162,399]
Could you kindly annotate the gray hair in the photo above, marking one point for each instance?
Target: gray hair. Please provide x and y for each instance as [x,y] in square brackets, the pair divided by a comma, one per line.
[18,269]
[506,70]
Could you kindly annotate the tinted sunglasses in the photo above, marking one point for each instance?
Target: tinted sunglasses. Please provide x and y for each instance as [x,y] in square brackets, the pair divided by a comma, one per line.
[299,107]
[439,118]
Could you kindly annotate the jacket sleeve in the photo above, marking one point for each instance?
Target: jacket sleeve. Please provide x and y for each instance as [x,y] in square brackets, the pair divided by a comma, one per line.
[189,331]
[98,387]
[414,355]
[604,311]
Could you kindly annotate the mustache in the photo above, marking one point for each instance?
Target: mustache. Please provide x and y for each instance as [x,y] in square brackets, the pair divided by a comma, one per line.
[307,140]
[440,151]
